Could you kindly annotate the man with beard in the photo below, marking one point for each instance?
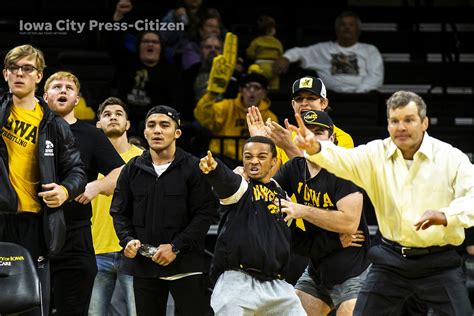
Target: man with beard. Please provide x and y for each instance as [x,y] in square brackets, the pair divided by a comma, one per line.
[73,270]
[227,117]
[113,120]
[197,75]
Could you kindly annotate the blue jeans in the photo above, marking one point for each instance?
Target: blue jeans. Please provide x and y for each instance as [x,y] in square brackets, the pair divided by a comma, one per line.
[105,283]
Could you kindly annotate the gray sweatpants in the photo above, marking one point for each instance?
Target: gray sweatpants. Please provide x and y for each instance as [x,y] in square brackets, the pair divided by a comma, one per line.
[239,294]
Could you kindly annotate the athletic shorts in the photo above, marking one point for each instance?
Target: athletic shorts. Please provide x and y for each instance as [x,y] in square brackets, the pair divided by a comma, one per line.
[338,294]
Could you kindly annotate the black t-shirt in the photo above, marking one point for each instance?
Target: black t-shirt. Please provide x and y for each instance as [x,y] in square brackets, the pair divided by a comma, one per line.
[99,156]
[323,191]
[143,87]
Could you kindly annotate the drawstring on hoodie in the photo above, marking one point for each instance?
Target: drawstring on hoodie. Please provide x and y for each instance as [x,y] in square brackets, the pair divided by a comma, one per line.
[253,200]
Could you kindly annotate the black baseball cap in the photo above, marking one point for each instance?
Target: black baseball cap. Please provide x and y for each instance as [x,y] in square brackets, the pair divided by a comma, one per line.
[164,109]
[311,84]
[319,118]
[253,77]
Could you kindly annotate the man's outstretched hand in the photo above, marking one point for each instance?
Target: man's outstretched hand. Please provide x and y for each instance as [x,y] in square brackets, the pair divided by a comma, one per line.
[305,139]
[207,163]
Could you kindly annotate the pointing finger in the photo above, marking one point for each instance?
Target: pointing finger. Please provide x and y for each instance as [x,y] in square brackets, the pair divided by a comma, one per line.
[209,158]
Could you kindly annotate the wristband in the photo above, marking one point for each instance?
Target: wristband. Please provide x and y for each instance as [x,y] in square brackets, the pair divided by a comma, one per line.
[65,190]
[175,249]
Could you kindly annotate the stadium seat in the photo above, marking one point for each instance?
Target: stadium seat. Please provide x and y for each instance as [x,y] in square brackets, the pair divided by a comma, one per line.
[21,288]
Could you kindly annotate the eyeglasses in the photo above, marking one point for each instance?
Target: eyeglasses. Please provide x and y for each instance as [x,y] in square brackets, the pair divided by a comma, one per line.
[147,250]
[300,99]
[26,69]
[254,86]
[150,42]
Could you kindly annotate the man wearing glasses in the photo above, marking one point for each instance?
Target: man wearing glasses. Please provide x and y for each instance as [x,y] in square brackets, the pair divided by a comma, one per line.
[308,94]
[146,78]
[40,165]
[228,116]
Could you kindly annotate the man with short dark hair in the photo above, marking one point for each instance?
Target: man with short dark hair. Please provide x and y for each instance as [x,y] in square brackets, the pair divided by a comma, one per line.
[112,117]
[422,190]
[252,251]
[162,209]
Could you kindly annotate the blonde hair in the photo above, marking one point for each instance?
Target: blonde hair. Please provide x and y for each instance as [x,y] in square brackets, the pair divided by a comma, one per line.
[19,52]
[62,75]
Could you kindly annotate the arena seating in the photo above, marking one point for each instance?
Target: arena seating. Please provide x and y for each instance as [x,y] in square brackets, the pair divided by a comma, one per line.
[426,49]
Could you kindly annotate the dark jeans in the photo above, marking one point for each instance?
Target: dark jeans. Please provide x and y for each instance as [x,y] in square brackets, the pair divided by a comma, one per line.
[436,279]
[73,272]
[151,296]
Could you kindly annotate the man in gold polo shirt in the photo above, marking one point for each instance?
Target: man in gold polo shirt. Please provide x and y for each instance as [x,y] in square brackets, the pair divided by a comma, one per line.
[40,165]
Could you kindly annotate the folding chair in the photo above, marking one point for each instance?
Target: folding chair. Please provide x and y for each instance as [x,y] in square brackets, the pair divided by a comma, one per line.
[21,288]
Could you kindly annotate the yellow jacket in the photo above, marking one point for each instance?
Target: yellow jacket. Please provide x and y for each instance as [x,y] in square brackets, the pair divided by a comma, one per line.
[228,118]
[265,47]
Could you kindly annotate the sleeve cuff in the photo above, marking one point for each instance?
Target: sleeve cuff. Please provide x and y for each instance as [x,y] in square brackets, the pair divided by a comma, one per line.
[452,220]
[234,198]
[65,190]
[125,241]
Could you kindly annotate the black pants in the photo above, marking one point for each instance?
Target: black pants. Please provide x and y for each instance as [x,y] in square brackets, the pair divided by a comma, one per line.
[73,272]
[436,279]
[26,229]
[151,296]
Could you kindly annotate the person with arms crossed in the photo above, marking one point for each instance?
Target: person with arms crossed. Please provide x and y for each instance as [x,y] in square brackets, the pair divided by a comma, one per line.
[41,168]
[73,269]
[162,210]
[423,193]
[252,251]
[112,117]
